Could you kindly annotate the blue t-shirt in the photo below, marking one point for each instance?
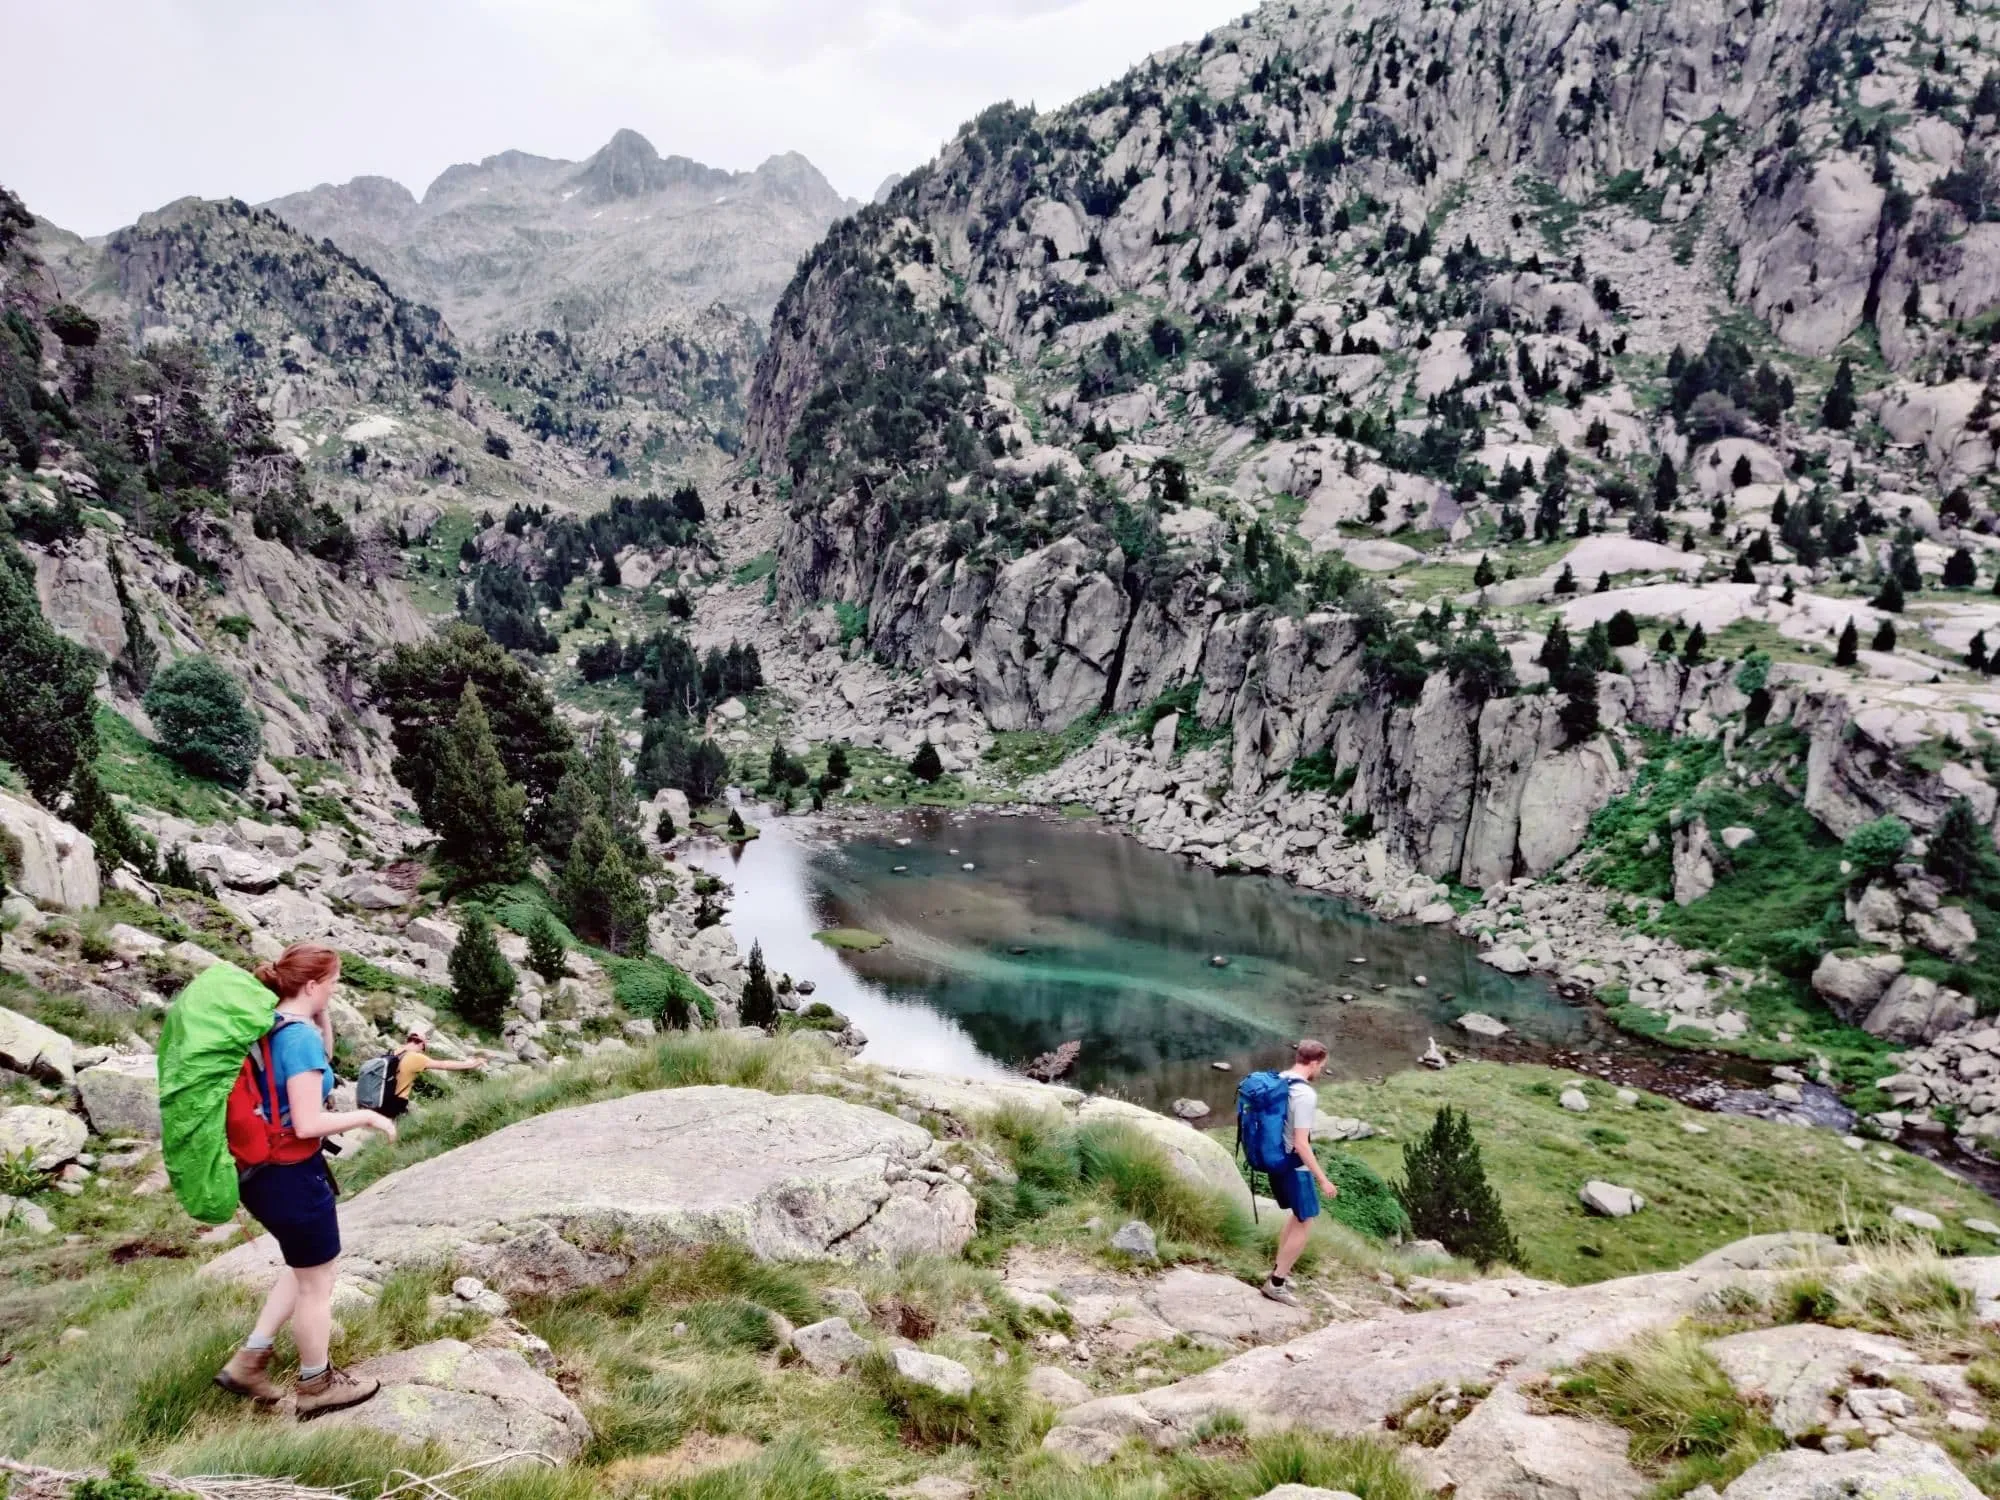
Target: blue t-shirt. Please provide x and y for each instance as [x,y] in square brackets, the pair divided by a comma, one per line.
[297,1048]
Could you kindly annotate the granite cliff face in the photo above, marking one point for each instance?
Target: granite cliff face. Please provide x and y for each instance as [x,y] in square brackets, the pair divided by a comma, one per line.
[1224,378]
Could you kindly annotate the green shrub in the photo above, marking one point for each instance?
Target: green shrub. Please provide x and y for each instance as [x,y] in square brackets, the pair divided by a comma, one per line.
[1366,1204]
[236,625]
[1134,1173]
[1874,848]
[653,988]
[203,722]
[548,954]
[992,1417]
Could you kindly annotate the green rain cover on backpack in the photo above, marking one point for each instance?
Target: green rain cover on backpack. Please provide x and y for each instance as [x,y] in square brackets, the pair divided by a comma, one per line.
[209,1030]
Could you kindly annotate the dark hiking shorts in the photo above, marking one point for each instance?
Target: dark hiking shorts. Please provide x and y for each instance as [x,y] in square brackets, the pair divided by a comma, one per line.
[1295,1190]
[295,1203]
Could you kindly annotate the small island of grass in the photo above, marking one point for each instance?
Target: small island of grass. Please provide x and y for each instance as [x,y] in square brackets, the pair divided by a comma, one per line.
[853,939]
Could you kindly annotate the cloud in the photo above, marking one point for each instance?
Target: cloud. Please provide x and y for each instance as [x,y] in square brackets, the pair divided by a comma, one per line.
[138,102]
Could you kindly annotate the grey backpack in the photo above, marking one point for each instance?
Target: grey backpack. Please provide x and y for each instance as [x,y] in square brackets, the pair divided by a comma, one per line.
[371,1088]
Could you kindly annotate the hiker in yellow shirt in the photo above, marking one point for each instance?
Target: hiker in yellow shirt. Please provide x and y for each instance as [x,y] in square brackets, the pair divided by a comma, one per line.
[413,1060]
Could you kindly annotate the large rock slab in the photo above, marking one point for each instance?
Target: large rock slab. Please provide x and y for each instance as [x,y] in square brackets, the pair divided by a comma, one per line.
[29,1047]
[1800,1369]
[1896,1468]
[1504,1451]
[479,1403]
[1349,1377]
[46,1137]
[58,862]
[121,1096]
[576,1196]
[1201,1302]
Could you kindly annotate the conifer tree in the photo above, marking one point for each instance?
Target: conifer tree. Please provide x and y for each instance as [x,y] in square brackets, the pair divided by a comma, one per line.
[1975,653]
[1838,412]
[599,894]
[760,1001]
[925,765]
[548,956]
[1960,572]
[1743,572]
[1446,1194]
[1483,575]
[1555,652]
[1885,637]
[1890,595]
[1961,849]
[1696,644]
[1623,629]
[478,814]
[1848,651]
[482,981]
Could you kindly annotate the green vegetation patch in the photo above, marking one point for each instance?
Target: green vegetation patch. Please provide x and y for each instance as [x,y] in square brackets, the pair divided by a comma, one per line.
[851,939]
[1741,1177]
[130,765]
[763,565]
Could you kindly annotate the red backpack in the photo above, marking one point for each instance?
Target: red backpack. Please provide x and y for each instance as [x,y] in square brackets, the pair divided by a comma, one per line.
[257,1136]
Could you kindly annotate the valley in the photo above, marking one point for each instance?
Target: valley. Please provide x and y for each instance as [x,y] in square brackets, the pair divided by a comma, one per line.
[1465,532]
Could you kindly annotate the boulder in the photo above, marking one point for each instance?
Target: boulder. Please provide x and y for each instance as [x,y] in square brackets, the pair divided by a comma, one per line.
[1478,1023]
[1916,1010]
[945,1376]
[1305,1492]
[238,869]
[1196,1157]
[574,1196]
[1136,1239]
[1916,1218]
[1576,1101]
[29,1047]
[46,1137]
[1058,1388]
[1852,986]
[1505,1451]
[1610,1200]
[121,1096]
[830,1347]
[1694,864]
[58,862]
[1507,958]
[1948,932]
[1800,1368]
[1896,1468]
[479,1403]
[1191,1109]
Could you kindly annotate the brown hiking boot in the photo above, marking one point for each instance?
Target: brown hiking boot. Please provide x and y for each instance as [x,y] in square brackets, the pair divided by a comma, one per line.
[244,1375]
[331,1390]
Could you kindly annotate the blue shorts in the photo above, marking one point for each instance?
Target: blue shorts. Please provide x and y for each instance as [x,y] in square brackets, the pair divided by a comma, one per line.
[295,1203]
[1296,1191]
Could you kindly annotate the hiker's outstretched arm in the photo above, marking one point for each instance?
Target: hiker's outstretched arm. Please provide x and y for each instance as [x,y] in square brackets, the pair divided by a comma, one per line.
[311,1118]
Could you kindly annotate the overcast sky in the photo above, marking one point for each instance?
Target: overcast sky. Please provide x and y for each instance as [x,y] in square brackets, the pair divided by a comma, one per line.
[119,106]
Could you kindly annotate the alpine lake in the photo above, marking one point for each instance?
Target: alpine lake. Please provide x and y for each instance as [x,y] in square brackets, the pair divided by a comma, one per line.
[1010,934]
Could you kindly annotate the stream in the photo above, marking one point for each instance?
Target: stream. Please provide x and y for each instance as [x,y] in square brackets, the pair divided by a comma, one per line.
[1012,933]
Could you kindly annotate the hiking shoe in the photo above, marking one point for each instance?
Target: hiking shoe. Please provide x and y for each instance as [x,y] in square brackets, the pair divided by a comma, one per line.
[1282,1294]
[331,1390]
[245,1375]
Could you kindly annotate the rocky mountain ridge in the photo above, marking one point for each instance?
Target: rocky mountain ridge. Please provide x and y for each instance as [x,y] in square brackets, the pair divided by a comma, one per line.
[604,251]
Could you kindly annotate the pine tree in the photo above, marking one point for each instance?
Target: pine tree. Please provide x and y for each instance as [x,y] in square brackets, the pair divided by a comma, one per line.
[1848,651]
[1838,412]
[1445,1192]
[1739,475]
[477,813]
[482,981]
[600,896]
[1975,653]
[1885,637]
[925,765]
[1566,580]
[1555,652]
[1623,629]
[837,770]
[1666,484]
[1961,849]
[1697,642]
[1579,712]
[737,828]
[1483,575]
[1889,596]
[548,956]
[1743,572]
[1665,644]
[1960,572]
[760,1001]
[1604,583]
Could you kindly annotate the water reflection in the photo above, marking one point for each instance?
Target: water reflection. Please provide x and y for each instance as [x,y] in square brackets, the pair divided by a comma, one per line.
[1063,931]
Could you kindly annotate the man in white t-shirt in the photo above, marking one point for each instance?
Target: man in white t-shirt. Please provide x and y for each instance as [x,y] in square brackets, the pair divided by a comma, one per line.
[1294,1187]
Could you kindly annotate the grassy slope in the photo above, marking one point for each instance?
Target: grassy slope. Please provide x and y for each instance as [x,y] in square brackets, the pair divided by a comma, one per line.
[1702,1191]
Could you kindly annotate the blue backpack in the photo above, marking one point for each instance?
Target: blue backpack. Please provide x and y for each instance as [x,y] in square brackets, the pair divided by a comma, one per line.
[1263,1103]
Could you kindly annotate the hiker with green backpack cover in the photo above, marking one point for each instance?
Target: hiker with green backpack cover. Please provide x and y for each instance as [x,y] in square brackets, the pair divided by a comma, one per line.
[244,1078]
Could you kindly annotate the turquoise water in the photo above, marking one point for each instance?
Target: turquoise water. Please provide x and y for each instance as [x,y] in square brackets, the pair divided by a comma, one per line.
[1067,931]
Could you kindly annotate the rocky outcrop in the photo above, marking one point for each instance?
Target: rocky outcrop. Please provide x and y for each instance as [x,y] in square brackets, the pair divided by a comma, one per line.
[1506,1451]
[121,1096]
[41,1137]
[58,862]
[1895,1467]
[29,1047]
[578,1196]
